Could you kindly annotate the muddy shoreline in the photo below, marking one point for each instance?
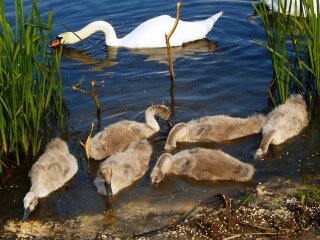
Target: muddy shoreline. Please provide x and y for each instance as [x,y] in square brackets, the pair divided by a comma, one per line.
[266,212]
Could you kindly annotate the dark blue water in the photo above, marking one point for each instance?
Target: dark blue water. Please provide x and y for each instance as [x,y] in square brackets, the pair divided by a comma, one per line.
[224,74]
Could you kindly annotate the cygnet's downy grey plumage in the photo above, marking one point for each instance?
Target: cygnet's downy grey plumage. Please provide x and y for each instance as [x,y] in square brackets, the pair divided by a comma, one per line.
[122,169]
[117,137]
[283,122]
[202,164]
[214,129]
[51,171]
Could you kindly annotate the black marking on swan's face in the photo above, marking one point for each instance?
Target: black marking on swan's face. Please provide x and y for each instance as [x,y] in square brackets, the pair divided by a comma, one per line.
[56,43]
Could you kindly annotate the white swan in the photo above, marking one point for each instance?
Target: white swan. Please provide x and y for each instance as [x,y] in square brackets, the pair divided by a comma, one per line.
[53,169]
[150,34]
[283,122]
[202,164]
[293,7]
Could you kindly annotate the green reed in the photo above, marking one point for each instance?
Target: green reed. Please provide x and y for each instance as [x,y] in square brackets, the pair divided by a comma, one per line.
[30,84]
[294,47]
[310,197]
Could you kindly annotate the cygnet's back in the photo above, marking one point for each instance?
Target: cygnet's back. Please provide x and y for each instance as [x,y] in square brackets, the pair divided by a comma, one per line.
[202,164]
[214,129]
[122,169]
[117,137]
[53,169]
[283,122]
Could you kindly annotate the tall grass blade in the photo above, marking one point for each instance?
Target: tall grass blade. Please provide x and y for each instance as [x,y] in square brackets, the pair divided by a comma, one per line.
[30,84]
[293,44]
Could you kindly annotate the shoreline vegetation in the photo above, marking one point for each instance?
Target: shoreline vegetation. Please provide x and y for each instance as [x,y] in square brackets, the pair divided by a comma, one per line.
[294,47]
[31,94]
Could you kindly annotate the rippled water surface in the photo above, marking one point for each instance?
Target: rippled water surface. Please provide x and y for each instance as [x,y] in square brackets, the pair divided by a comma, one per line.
[224,74]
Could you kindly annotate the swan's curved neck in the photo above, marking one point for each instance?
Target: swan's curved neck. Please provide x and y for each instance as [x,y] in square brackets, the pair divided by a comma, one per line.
[102,26]
[151,121]
[167,165]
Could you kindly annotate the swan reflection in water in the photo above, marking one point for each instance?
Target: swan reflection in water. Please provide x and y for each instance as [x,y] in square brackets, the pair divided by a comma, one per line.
[102,58]
[193,50]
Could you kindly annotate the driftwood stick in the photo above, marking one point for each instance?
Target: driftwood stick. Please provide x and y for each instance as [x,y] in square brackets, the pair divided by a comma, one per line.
[85,145]
[213,200]
[255,226]
[95,98]
[76,87]
[246,234]
[176,22]
[167,37]
[93,94]
[172,100]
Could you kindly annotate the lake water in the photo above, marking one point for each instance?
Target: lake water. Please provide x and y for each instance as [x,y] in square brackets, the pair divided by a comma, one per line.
[224,74]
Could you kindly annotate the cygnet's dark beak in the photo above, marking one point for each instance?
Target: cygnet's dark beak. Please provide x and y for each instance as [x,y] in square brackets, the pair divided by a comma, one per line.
[26,214]
[56,43]
[109,190]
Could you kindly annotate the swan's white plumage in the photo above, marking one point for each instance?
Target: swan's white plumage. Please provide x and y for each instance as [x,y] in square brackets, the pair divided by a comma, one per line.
[149,34]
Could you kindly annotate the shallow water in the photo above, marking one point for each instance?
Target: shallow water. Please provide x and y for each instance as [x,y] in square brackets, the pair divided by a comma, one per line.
[224,74]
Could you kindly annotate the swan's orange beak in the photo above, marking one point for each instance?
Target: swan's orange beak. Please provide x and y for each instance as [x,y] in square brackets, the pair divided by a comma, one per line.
[56,43]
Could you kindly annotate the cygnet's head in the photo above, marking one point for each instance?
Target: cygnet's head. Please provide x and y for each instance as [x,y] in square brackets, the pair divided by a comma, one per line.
[100,185]
[164,112]
[117,179]
[156,176]
[30,201]
[160,110]
[106,173]
[259,154]
[162,167]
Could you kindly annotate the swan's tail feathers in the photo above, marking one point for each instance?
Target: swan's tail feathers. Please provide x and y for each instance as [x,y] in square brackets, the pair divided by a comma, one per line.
[263,149]
[176,134]
[99,183]
[214,18]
